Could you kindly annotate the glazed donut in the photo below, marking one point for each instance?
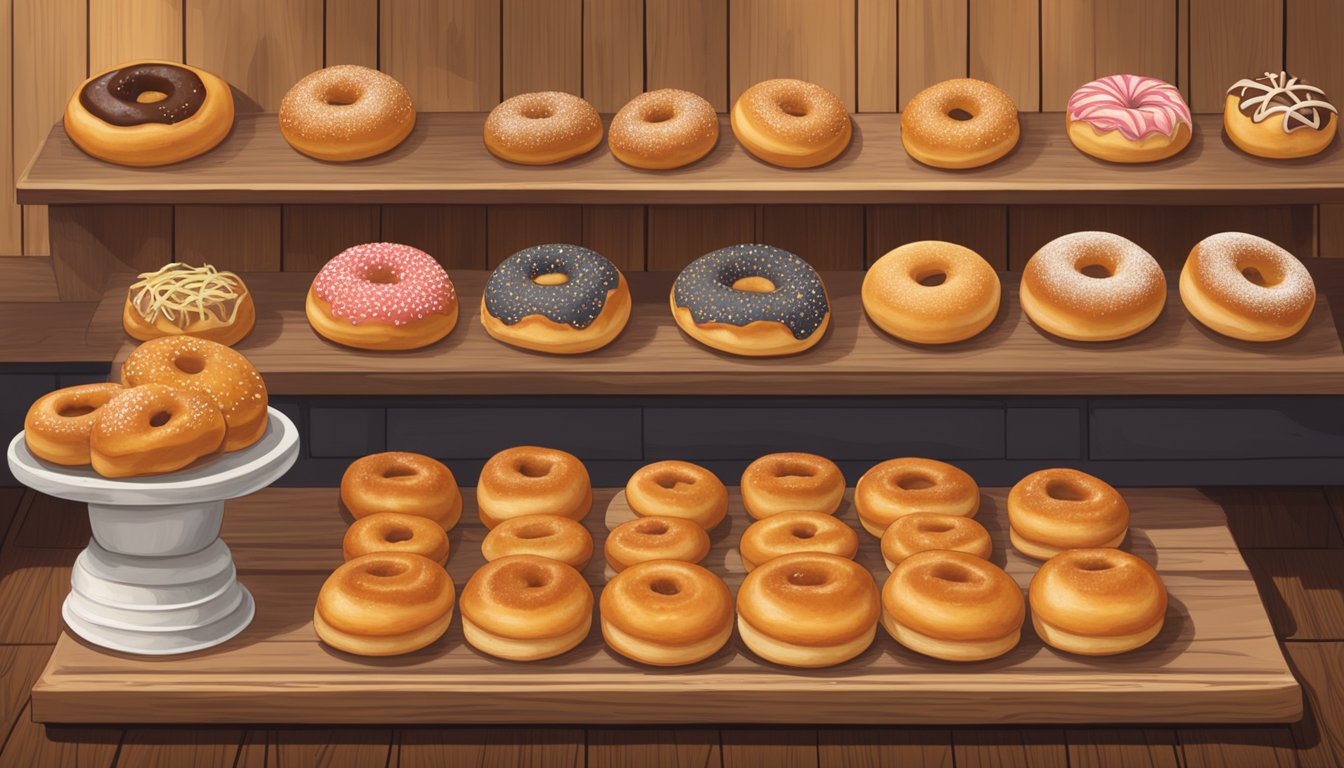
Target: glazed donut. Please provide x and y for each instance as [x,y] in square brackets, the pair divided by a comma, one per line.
[899,487]
[562,299]
[152,429]
[1052,510]
[924,531]
[753,300]
[935,133]
[146,113]
[58,423]
[953,606]
[384,604]
[666,613]
[1128,119]
[346,112]
[395,532]
[550,536]
[666,128]
[655,538]
[790,532]
[931,292]
[542,128]
[213,370]
[382,296]
[196,301]
[1247,287]
[526,608]
[1251,117]
[528,480]
[792,123]
[678,489]
[1097,602]
[808,609]
[405,483]
[1092,286]
[792,482]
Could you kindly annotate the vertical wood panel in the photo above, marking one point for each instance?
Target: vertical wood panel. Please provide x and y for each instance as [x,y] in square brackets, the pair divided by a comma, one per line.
[242,238]
[123,30]
[11,215]
[617,232]
[982,228]
[807,39]
[932,43]
[878,747]
[453,234]
[825,236]
[680,234]
[876,47]
[1082,41]
[1005,48]
[686,46]
[624,747]
[515,227]
[543,46]
[351,32]
[613,52]
[1314,51]
[315,233]
[260,47]
[445,51]
[1330,242]
[90,242]
[1229,41]
[1068,49]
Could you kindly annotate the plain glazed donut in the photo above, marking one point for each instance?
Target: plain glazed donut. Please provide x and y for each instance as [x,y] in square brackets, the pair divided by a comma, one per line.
[792,482]
[384,604]
[153,429]
[382,296]
[1097,602]
[678,489]
[666,613]
[550,536]
[924,531]
[792,123]
[953,606]
[899,487]
[346,112]
[526,608]
[407,483]
[934,135]
[808,609]
[655,538]
[1052,510]
[58,423]
[790,532]
[528,480]
[1247,287]
[666,128]
[542,128]
[395,532]
[1251,117]
[931,292]
[562,299]
[1128,119]
[1093,286]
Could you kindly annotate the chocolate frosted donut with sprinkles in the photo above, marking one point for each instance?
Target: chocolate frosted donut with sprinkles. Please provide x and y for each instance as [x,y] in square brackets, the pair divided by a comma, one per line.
[1092,286]
[557,298]
[752,300]
[1246,287]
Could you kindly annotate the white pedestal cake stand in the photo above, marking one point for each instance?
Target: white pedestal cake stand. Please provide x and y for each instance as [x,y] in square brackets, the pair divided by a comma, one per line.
[156,579]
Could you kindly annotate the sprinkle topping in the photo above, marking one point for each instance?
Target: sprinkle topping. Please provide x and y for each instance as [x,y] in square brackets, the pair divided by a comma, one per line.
[705,288]
[512,292]
[385,283]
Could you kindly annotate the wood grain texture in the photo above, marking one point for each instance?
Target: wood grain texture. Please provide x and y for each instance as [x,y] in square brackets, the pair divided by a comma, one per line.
[1081,41]
[53,332]
[525,748]
[826,236]
[20,666]
[679,748]
[1068,45]
[686,46]
[169,747]
[1004,749]
[1150,748]
[90,242]
[1330,232]
[260,47]
[876,47]
[1319,736]
[31,744]
[446,52]
[613,52]
[125,30]
[1303,591]
[982,228]
[313,234]
[511,228]
[1005,48]
[351,33]
[1229,41]
[809,40]
[876,748]
[1240,748]
[33,584]
[328,748]
[680,234]
[11,215]
[932,44]
[543,46]
[1312,49]
[51,523]
[27,279]
[453,234]
[1279,518]
[235,237]
[617,232]
[769,748]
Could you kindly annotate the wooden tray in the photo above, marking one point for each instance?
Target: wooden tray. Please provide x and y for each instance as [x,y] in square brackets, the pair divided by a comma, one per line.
[1216,660]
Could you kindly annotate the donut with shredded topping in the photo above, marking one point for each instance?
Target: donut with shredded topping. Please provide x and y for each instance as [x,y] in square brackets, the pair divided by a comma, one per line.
[197,301]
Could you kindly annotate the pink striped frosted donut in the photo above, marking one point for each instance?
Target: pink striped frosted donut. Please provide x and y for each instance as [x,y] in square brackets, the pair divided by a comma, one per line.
[1134,105]
[383,296]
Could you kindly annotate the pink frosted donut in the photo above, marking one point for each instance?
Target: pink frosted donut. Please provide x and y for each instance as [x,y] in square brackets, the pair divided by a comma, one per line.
[1129,119]
[382,296]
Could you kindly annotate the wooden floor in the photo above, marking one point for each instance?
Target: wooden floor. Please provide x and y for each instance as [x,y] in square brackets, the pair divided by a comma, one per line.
[1291,538]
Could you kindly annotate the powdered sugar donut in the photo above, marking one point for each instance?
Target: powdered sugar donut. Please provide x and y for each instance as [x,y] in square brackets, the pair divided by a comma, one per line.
[1129,119]
[542,128]
[1246,287]
[346,112]
[382,296]
[666,128]
[1093,286]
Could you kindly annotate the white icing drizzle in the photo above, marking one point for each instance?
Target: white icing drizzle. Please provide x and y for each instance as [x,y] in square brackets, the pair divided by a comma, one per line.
[1306,111]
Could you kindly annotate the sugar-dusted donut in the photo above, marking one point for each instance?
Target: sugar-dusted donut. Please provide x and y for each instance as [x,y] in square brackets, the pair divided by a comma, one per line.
[1053,510]
[923,531]
[396,532]
[808,609]
[931,292]
[1128,119]
[666,128]
[346,112]
[791,123]
[562,299]
[899,487]
[1097,602]
[960,123]
[526,608]
[953,606]
[1093,286]
[1247,287]
[542,128]
[790,532]
[402,482]
[666,613]
[528,480]
[678,489]
[382,296]
[791,482]
[58,423]
[152,429]
[384,604]
[655,538]
[550,536]
[1279,116]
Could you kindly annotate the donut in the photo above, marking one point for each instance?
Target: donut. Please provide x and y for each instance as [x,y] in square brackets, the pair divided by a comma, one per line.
[931,292]
[666,613]
[953,606]
[678,489]
[791,482]
[562,299]
[790,532]
[401,482]
[960,123]
[542,128]
[655,538]
[346,112]
[1247,287]
[808,609]
[924,531]
[146,113]
[526,608]
[396,532]
[528,480]
[1128,119]
[152,429]
[1097,602]
[1251,117]
[382,296]
[661,129]
[1092,286]
[197,301]
[220,374]
[384,604]
[791,123]
[550,536]
[58,423]
[899,487]
[1052,510]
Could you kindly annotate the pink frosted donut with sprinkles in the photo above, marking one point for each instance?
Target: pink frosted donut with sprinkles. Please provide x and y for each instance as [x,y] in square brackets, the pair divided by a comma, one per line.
[382,296]
[1129,119]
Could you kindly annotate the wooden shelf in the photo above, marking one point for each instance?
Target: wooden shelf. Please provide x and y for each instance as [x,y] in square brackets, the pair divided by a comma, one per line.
[1216,660]
[443,161]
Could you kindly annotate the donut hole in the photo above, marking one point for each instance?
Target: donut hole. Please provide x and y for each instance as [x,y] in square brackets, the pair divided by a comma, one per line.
[934,526]
[804,531]
[397,534]
[150,97]
[659,114]
[190,364]
[913,482]
[398,471]
[808,578]
[1096,271]
[1264,278]
[536,579]
[385,569]
[74,410]
[793,107]
[340,95]
[652,528]
[160,418]
[787,470]
[931,279]
[664,587]
[1094,564]
[960,115]
[952,572]
[670,480]
[382,276]
[534,531]
[551,278]
[537,112]
[754,284]
[1060,490]
[534,469]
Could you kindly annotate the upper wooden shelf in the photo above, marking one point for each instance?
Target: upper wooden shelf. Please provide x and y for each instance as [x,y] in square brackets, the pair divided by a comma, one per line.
[443,161]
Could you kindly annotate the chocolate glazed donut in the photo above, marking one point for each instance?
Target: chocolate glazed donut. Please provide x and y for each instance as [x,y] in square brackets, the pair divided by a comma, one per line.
[112,97]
